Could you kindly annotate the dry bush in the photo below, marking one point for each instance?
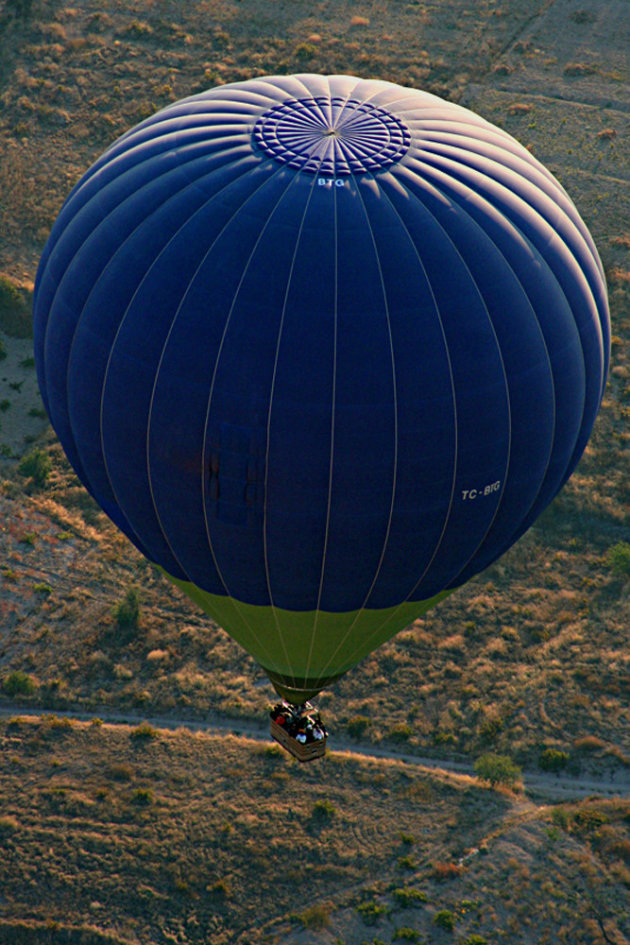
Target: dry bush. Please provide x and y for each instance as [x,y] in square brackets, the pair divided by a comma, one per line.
[580,68]
[446,871]
[620,276]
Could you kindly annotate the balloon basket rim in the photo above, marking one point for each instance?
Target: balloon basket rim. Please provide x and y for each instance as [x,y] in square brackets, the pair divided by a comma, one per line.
[303,752]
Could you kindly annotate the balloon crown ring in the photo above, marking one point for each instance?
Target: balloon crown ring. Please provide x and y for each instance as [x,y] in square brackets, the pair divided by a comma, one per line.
[332,136]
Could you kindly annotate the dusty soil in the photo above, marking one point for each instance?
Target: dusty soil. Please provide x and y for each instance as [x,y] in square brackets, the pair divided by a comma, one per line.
[147,836]
[530,656]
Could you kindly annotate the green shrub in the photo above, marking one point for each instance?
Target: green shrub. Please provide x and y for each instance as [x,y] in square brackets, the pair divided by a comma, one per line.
[221,889]
[15,303]
[138,30]
[590,818]
[490,728]
[497,769]
[445,919]
[408,897]
[553,760]
[400,733]
[371,911]
[474,940]
[561,817]
[142,797]
[37,465]
[144,732]
[323,811]
[18,683]
[316,917]
[273,751]
[54,725]
[618,558]
[119,772]
[127,612]
[357,726]
[407,934]
[3,352]
[407,863]
[305,51]
[9,295]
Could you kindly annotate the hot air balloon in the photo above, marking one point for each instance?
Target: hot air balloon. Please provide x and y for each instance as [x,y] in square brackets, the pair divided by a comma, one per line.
[323,348]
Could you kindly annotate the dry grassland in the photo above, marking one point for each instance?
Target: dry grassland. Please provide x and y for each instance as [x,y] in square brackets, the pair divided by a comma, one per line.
[181,838]
[148,836]
[75,77]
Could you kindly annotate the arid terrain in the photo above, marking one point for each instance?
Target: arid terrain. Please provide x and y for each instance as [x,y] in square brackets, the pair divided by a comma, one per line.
[126,834]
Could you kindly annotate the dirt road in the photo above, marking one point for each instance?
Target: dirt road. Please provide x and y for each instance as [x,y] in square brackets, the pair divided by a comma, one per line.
[537,785]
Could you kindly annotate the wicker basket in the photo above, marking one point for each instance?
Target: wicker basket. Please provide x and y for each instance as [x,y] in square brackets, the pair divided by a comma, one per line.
[306,751]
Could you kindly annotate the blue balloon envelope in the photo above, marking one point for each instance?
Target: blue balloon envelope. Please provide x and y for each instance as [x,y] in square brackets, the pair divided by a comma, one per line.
[323,348]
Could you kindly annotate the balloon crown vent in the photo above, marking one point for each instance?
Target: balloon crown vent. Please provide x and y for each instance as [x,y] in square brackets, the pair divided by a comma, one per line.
[335,136]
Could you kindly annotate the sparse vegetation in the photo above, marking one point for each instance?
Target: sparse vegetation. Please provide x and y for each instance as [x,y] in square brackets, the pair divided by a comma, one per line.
[497,769]
[315,917]
[19,8]
[407,863]
[357,726]
[400,733]
[37,466]
[406,898]
[583,16]
[580,68]
[553,760]
[127,612]
[446,871]
[9,295]
[371,911]
[305,51]
[18,683]
[226,848]
[618,558]
[529,655]
[142,797]
[406,934]
[144,732]
[15,308]
[323,811]
[445,919]
[8,826]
